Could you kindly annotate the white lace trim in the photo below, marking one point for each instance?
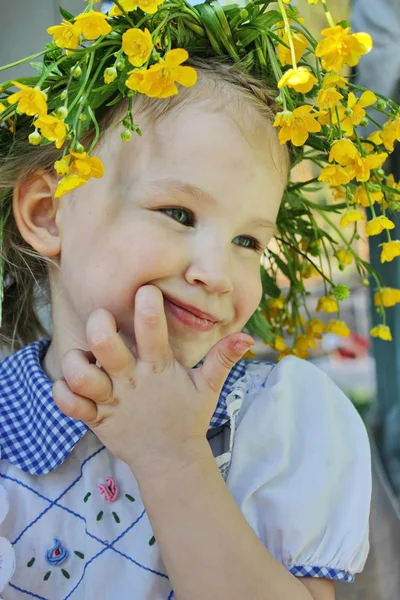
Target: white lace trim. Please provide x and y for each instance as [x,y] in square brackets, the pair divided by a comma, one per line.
[7,554]
[252,382]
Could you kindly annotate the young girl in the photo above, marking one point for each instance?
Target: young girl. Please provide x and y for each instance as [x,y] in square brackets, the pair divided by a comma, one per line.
[140,456]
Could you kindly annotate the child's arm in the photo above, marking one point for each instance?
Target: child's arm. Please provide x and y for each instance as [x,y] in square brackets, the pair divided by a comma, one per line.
[208,547]
[153,414]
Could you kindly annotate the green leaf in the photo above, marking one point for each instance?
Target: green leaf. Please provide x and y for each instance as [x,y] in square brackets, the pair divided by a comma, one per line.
[86,498]
[30,563]
[269,285]
[152,541]
[67,15]
[38,66]
[65,573]
[129,498]
[99,516]
[116,517]
[79,554]
[258,325]
[47,576]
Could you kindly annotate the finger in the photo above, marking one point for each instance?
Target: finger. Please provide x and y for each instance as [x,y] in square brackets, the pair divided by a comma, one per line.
[85,378]
[72,405]
[107,345]
[151,330]
[220,360]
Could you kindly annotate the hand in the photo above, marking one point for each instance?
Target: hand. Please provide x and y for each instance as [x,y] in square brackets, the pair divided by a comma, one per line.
[144,406]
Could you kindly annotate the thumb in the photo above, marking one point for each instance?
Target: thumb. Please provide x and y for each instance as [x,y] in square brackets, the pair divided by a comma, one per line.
[221,358]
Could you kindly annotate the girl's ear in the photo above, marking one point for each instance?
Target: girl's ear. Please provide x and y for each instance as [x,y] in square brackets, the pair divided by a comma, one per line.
[35,212]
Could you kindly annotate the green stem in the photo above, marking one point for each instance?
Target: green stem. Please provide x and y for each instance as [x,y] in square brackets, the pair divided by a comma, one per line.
[24,60]
[328,14]
[288,32]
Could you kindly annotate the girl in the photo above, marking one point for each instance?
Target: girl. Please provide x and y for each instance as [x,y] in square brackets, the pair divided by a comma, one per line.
[140,456]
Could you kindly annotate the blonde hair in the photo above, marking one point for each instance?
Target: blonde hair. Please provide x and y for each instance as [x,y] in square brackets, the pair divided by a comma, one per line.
[25,270]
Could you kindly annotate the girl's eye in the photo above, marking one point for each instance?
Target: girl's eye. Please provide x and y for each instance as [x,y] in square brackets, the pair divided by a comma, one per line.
[187,218]
[181,215]
[250,243]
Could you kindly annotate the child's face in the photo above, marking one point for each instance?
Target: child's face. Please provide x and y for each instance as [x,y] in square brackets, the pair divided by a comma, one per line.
[121,233]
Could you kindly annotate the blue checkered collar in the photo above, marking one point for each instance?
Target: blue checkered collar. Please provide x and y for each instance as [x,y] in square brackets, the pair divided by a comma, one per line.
[35,435]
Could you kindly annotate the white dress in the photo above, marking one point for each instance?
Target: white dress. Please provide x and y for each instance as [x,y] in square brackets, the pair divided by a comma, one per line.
[295,458]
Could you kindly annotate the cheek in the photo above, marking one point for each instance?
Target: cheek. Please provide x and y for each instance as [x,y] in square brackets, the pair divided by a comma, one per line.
[248,296]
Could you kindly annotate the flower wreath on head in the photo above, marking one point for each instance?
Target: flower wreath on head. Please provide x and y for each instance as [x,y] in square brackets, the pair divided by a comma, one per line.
[140,47]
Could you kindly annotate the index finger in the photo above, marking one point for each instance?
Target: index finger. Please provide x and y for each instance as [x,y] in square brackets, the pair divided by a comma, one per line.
[151,329]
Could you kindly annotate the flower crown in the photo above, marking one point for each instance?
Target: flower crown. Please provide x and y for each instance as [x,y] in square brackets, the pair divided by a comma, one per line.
[140,47]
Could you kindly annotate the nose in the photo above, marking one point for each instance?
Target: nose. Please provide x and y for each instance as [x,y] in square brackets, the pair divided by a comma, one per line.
[212,268]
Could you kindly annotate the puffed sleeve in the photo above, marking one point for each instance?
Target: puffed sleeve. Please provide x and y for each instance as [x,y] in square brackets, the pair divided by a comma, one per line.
[301,470]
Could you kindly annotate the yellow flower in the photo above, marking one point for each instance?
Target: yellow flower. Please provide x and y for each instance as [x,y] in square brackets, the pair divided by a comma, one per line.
[361,197]
[63,166]
[341,47]
[303,343]
[249,355]
[68,183]
[299,79]
[276,302]
[52,129]
[391,133]
[127,5]
[338,192]
[279,343]
[148,6]
[87,166]
[382,332]
[313,1]
[387,297]
[159,81]
[92,25]
[297,125]
[308,270]
[327,304]
[376,138]
[361,167]
[390,250]
[338,327]
[137,45]
[2,107]
[377,225]
[357,107]
[351,217]
[300,43]
[334,175]
[110,74]
[65,35]
[334,80]
[31,101]
[315,328]
[344,256]
[328,98]
[343,152]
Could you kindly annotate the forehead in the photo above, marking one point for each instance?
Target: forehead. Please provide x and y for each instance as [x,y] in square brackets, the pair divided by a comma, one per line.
[206,149]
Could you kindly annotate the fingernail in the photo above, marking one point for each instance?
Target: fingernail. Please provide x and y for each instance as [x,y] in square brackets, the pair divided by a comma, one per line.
[243,346]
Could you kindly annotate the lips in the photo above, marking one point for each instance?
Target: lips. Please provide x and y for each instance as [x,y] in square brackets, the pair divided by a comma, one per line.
[192,309]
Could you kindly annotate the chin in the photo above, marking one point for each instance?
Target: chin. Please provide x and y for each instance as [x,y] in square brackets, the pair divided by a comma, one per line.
[188,356]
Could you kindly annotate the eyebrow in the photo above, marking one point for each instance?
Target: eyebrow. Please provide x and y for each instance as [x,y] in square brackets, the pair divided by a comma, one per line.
[180,187]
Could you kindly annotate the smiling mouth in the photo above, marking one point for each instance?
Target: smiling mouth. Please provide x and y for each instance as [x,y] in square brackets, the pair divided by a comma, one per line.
[188,318]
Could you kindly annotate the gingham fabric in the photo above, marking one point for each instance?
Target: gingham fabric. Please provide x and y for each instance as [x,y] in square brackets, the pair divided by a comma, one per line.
[37,438]
[35,435]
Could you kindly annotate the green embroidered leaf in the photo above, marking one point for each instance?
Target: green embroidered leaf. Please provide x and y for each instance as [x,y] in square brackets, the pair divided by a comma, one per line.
[65,573]
[79,554]
[152,541]
[116,517]
[86,498]
[99,516]
[30,563]
[47,576]
[129,498]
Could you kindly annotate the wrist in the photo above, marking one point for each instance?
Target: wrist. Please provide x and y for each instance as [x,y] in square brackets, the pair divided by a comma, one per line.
[154,469]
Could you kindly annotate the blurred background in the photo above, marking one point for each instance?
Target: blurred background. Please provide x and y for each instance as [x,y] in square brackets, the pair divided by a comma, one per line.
[368,371]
